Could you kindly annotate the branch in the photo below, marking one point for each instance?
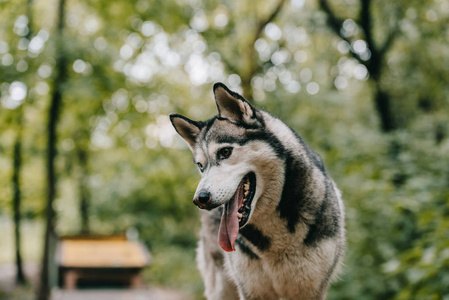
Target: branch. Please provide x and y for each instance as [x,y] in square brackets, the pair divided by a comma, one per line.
[374,63]
[29,15]
[269,19]
[393,33]
[389,41]
[228,65]
[365,22]
[253,65]
[333,21]
[335,24]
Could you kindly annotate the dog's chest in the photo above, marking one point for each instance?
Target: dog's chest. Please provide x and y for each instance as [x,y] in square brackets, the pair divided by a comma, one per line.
[268,277]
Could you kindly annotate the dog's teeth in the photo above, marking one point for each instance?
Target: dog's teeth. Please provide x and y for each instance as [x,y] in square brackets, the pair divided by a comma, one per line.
[239,215]
[246,186]
[246,194]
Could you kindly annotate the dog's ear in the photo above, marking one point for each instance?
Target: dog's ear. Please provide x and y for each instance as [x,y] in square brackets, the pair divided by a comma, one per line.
[232,106]
[186,128]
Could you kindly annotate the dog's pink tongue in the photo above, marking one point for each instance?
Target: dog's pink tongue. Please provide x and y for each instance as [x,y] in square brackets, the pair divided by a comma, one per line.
[229,226]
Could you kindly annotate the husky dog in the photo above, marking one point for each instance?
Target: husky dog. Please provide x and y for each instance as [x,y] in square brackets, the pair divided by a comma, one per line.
[272,217]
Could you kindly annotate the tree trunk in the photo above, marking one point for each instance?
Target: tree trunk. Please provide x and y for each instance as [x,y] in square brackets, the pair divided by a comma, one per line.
[17,197]
[83,190]
[53,116]
[17,169]
[50,214]
[383,107]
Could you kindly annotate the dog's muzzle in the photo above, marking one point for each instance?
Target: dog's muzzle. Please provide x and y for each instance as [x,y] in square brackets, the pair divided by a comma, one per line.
[202,199]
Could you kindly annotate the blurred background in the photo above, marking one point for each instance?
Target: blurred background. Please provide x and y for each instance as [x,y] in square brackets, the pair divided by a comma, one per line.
[86,145]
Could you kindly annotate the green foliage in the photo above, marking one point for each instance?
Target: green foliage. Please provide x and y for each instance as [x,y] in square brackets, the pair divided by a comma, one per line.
[172,267]
[131,63]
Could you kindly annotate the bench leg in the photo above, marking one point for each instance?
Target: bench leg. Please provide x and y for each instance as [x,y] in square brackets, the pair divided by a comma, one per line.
[70,280]
[136,281]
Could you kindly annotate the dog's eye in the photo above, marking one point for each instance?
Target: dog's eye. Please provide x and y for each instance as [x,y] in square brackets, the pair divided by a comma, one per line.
[224,153]
[200,166]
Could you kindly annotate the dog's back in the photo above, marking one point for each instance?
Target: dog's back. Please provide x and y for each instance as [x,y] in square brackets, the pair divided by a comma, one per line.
[290,237]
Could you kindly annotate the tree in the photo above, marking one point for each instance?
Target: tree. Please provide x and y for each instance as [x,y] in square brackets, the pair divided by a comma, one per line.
[17,197]
[53,115]
[243,59]
[17,167]
[83,172]
[369,52]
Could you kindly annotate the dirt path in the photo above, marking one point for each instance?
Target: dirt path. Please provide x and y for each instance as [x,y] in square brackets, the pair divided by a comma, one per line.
[111,294]
[8,273]
[8,289]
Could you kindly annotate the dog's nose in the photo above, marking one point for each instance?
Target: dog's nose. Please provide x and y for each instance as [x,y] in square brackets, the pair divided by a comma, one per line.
[202,198]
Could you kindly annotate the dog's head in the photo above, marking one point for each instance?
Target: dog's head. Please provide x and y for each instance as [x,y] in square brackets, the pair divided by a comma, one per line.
[226,152]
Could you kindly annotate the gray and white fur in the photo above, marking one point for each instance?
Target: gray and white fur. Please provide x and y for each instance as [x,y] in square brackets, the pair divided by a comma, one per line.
[292,243]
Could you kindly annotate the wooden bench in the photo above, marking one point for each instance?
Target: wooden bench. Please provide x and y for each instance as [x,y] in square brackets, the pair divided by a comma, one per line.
[101,260]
